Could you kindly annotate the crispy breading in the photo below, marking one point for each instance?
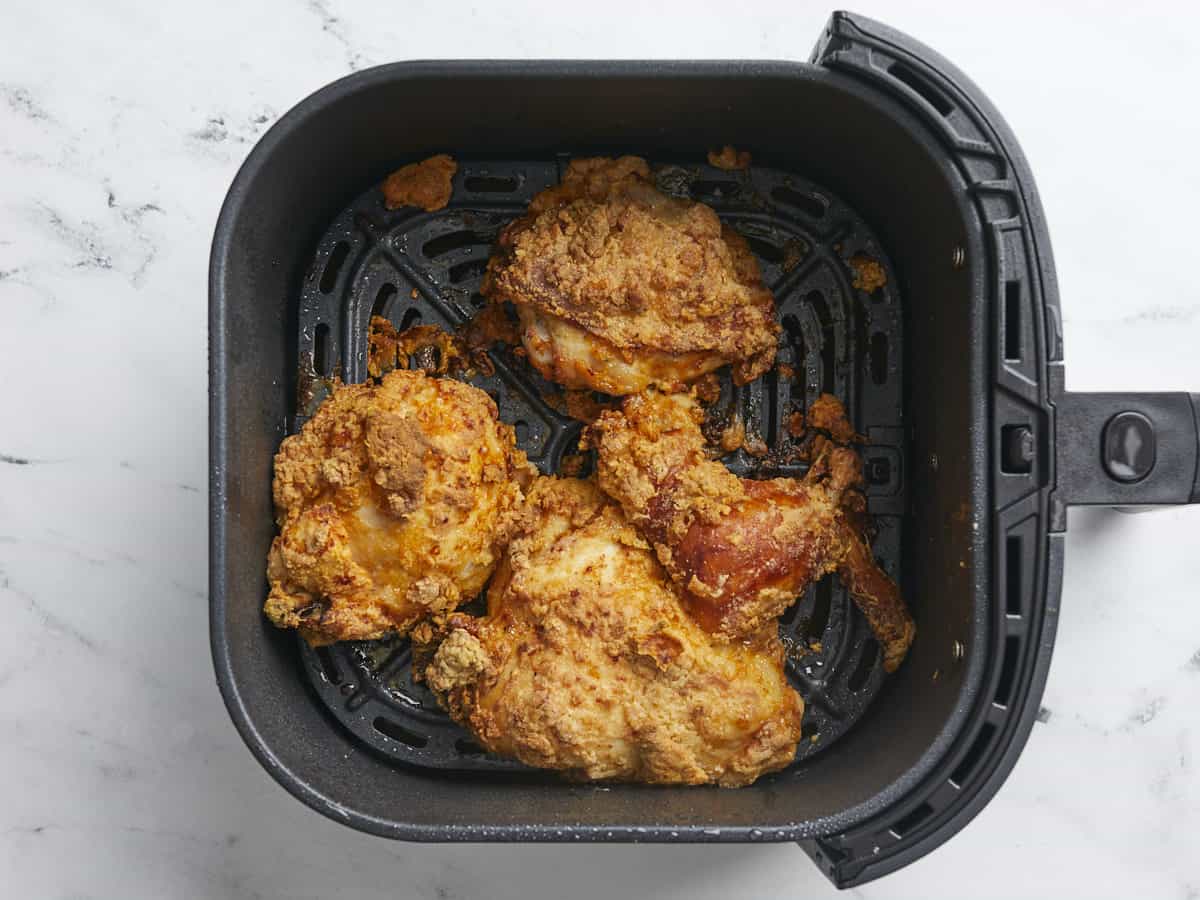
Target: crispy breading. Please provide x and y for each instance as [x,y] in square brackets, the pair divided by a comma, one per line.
[618,286]
[393,502]
[586,662]
[741,551]
[426,184]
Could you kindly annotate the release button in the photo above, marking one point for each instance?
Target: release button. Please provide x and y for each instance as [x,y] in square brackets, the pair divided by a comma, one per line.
[1129,447]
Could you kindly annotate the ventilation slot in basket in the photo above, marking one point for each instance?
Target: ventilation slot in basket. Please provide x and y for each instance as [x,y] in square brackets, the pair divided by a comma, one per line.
[322,364]
[974,755]
[490,184]
[866,662]
[911,821]
[398,732]
[715,190]
[333,267]
[383,300]
[1012,321]
[455,240]
[1008,671]
[1012,575]
[903,73]
[810,206]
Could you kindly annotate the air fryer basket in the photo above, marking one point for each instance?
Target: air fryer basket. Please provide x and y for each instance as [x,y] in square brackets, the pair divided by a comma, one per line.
[878,146]
[410,266]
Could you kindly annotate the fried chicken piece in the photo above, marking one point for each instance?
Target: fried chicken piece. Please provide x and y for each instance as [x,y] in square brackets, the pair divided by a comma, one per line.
[587,663]
[426,184]
[740,550]
[618,286]
[393,502]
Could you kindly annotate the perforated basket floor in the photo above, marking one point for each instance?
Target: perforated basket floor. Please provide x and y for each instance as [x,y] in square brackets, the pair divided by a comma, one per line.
[414,267]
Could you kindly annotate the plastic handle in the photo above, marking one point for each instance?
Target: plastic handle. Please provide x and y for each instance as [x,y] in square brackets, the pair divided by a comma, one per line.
[1128,449]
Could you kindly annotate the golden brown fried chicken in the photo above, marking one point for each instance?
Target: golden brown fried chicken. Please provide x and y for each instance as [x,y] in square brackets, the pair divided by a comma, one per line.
[394,502]
[619,286]
[741,550]
[586,662]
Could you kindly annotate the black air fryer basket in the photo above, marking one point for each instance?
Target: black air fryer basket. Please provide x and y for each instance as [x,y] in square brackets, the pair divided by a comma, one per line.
[877,149]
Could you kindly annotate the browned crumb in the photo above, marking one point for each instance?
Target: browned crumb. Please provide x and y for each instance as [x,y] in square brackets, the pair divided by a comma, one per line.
[729,159]
[426,184]
[722,428]
[815,646]
[312,388]
[433,350]
[754,444]
[708,389]
[795,424]
[813,738]
[381,348]
[734,435]
[414,293]
[827,414]
[572,465]
[794,250]
[869,275]
[786,372]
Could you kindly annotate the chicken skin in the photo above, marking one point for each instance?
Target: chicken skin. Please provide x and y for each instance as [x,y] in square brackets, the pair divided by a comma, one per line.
[618,286]
[587,663]
[740,551]
[394,502]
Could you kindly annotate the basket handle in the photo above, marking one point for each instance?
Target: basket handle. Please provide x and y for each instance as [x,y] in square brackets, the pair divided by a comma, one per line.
[1128,449]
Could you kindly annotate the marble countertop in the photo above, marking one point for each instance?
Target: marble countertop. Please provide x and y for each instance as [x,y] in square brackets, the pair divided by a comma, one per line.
[121,125]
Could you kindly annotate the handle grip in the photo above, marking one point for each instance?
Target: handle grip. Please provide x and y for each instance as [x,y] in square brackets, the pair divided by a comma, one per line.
[1128,449]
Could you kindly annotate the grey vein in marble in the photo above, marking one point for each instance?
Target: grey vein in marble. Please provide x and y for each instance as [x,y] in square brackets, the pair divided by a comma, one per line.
[335,28]
[22,102]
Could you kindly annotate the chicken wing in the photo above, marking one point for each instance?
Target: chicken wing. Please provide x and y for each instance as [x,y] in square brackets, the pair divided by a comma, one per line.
[393,502]
[618,286]
[740,550]
[586,662]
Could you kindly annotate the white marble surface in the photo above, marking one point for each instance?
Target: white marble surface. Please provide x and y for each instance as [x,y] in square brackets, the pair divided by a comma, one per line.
[121,125]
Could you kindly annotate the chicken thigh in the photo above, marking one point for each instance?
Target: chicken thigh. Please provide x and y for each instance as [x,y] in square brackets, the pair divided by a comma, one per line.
[587,663]
[740,550]
[394,502]
[618,286]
